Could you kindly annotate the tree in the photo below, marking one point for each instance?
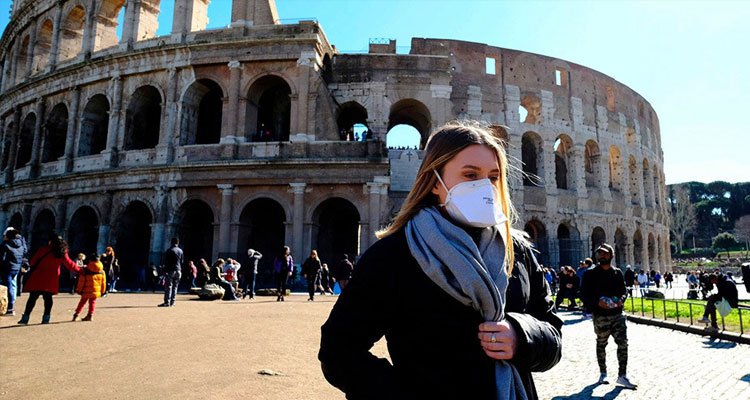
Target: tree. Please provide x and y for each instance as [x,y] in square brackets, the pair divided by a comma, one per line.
[682,218]
[742,229]
[724,240]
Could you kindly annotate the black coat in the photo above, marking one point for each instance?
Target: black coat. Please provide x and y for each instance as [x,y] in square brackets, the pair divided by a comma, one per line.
[432,338]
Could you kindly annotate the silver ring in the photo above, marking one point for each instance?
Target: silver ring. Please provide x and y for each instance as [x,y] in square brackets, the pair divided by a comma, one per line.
[492,338]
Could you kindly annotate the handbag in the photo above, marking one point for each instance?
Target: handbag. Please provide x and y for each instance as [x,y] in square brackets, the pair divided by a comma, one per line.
[723,307]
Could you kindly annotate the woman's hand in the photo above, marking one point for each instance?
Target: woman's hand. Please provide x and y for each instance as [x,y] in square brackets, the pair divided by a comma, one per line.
[498,339]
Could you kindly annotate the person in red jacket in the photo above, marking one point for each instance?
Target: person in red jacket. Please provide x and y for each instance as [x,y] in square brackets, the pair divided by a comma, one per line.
[91,285]
[44,276]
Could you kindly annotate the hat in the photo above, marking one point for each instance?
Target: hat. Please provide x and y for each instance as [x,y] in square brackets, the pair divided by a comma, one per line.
[606,248]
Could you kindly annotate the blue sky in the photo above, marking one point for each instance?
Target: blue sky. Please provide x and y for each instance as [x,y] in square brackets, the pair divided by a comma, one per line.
[689,59]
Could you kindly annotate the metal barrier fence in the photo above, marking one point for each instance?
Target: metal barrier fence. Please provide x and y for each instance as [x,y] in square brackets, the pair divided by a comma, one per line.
[642,303]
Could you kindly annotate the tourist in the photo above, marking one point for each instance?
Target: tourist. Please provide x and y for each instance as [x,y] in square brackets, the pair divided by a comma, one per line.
[311,271]
[231,272]
[80,263]
[111,268]
[657,279]
[12,253]
[326,280]
[343,271]
[91,284]
[283,267]
[172,271]
[217,278]
[629,279]
[583,266]
[44,276]
[668,279]
[248,287]
[568,287]
[727,291]
[437,286]
[193,273]
[604,294]
[643,282]
[204,272]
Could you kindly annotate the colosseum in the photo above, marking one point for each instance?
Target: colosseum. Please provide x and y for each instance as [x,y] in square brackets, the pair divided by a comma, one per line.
[239,137]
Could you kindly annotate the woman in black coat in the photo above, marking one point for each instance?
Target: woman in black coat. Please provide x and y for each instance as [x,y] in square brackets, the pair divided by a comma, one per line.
[441,344]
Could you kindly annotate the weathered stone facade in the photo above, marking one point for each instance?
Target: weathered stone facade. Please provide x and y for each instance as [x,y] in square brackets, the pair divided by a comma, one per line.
[232,138]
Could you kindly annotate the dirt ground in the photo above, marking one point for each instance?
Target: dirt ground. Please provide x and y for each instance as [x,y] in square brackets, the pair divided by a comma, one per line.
[195,350]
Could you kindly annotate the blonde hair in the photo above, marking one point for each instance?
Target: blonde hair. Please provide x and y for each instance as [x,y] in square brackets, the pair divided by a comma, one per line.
[442,146]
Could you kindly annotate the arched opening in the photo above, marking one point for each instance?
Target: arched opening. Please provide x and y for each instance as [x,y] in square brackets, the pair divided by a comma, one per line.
[352,122]
[402,137]
[94,126]
[598,236]
[532,159]
[634,192]
[538,236]
[202,106]
[55,133]
[413,113]
[562,147]
[336,230]
[108,18]
[194,225]
[262,228]
[26,140]
[621,245]
[269,110]
[566,246]
[615,169]
[83,231]
[591,159]
[42,230]
[132,234]
[143,119]
[43,46]
[533,110]
[7,143]
[24,61]
[71,35]
[638,249]
[652,261]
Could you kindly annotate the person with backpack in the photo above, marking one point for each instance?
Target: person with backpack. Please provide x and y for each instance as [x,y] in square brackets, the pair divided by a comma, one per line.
[92,283]
[12,253]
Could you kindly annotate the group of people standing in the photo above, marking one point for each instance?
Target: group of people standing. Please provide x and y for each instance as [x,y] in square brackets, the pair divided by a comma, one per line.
[322,279]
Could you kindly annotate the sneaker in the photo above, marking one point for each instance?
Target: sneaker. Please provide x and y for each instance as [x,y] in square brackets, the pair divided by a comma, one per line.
[602,379]
[87,317]
[10,312]
[623,381]
[163,305]
[703,320]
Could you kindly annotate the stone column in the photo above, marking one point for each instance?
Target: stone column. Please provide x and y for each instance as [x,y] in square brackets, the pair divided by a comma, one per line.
[548,164]
[14,144]
[16,63]
[165,148]
[225,221]
[158,228]
[38,142]
[130,24]
[374,190]
[109,154]
[88,30]
[298,189]
[55,37]
[31,50]
[28,206]
[305,63]
[230,130]
[106,223]
[579,185]
[61,208]
[72,136]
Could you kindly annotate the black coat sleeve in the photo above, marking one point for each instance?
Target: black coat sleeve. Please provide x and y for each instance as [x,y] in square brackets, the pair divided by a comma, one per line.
[538,328]
[357,321]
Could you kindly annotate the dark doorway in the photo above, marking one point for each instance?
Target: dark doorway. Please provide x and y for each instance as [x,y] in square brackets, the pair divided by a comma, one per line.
[337,225]
[269,110]
[83,232]
[132,233]
[262,228]
[44,228]
[195,228]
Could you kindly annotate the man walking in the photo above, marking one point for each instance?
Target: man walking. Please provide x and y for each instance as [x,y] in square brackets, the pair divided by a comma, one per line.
[604,294]
[172,271]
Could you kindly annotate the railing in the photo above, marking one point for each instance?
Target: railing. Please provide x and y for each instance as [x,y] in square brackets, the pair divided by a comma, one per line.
[686,312]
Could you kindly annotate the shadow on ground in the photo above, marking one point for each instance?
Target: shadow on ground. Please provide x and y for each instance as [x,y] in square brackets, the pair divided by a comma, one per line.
[588,393]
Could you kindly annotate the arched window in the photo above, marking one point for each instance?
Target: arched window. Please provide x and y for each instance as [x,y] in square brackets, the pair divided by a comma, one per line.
[55,134]
[562,148]
[43,46]
[202,106]
[615,169]
[25,140]
[269,109]
[592,160]
[109,16]
[94,126]
[143,119]
[71,35]
[533,159]
[352,122]
[413,113]
[533,110]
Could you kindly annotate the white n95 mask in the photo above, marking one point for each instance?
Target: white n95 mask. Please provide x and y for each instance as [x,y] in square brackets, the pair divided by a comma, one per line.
[473,203]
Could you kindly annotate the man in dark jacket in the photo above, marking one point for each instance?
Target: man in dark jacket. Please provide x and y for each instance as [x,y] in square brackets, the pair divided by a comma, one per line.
[629,280]
[343,272]
[173,272]
[12,253]
[604,294]
[727,291]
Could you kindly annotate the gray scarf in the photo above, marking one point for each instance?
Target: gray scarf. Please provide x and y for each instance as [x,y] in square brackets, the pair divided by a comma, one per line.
[473,275]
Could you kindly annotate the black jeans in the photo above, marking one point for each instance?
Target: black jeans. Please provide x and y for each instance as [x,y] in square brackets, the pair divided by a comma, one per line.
[565,293]
[47,296]
[282,278]
[311,287]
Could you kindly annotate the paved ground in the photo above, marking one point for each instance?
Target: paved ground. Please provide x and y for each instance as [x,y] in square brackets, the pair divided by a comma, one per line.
[214,350]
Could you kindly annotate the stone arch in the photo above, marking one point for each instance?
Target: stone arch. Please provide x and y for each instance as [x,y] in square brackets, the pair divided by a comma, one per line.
[201,113]
[335,229]
[648,187]
[262,227]
[538,236]
[42,230]
[592,164]
[94,126]
[598,236]
[563,173]
[43,46]
[106,23]
[532,158]
[633,174]
[55,133]
[26,140]
[83,231]
[269,109]
[414,113]
[194,225]
[71,34]
[652,262]
[621,246]
[132,240]
[638,249]
[143,119]
[348,116]
[533,110]
[615,169]
[24,58]
[568,244]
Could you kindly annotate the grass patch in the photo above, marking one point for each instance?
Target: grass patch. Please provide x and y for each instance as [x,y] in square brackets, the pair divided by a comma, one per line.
[681,311]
